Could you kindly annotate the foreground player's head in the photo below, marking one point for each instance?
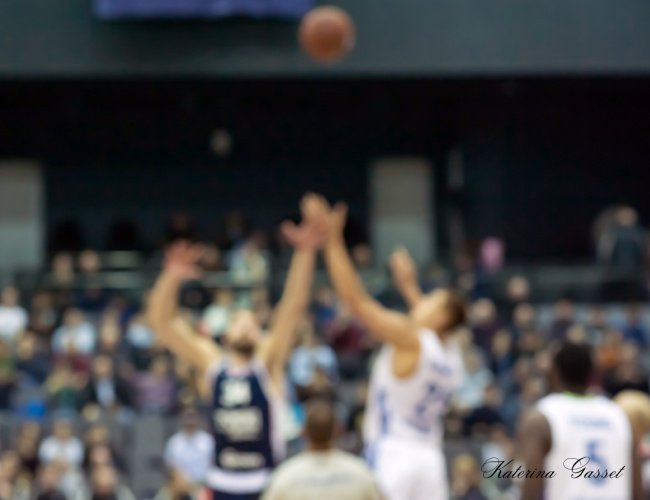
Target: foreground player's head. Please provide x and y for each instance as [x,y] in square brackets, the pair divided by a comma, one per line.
[319,424]
[441,310]
[572,367]
[243,333]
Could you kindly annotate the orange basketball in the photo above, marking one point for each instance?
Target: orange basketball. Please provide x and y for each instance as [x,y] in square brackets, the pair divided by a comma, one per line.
[326,34]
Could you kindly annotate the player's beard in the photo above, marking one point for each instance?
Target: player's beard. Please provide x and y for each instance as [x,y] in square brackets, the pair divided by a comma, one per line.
[244,348]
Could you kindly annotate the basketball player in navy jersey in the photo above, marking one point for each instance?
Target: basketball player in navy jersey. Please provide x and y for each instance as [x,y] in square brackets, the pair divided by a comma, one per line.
[245,381]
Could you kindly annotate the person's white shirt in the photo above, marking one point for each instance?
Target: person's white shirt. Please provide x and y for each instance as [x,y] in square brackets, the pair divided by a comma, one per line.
[322,475]
[70,450]
[191,453]
[13,320]
[82,337]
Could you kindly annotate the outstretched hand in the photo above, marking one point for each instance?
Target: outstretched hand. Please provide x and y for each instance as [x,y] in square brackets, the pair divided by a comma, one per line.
[181,260]
[313,231]
[403,267]
[330,220]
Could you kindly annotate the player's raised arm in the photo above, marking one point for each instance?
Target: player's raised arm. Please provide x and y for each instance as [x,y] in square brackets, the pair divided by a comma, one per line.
[162,308]
[388,326]
[405,276]
[306,239]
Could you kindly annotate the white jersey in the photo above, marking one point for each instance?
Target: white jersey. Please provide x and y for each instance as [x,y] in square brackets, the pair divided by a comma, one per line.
[411,409]
[591,440]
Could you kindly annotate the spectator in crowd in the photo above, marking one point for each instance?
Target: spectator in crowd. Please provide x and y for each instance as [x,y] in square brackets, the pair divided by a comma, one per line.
[322,472]
[191,450]
[42,314]
[482,419]
[502,356]
[485,323]
[234,231]
[141,340]
[216,316]
[105,389]
[110,342]
[14,483]
[7,375]
[26,446]
[517,292]
[628,374]
[563,319]
[634,330]
[62,446]
[247,262]
[98,449]
[105,485]
[211,259]
[63,270]
[75,339]
[596,325]
[49,484]
[324,308]
[349,341]
[177,487]
[32,362]
[466,479]
[477,377]
[61,387]
[13,317]
[622,243]
[155,389]
[313,368]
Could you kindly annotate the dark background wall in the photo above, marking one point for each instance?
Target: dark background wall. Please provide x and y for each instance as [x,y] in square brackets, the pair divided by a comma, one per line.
[541,156]
[407,37]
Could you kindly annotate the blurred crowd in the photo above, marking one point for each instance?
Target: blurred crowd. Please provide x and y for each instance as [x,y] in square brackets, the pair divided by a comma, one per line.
[77,361]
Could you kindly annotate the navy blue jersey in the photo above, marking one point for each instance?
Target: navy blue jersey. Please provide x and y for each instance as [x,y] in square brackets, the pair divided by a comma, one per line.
[244,422]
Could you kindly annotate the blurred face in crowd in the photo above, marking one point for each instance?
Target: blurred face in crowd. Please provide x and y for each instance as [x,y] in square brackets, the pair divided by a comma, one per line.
[191,421]
[89,261]
[518,289]
[104,480]
[524,316]
[10,297]
[62,430]
[100,455]
[563,310]
[73,317]
[160,367]
[224,297]
[626,216]
[243,333]
[484,312]
[103,367]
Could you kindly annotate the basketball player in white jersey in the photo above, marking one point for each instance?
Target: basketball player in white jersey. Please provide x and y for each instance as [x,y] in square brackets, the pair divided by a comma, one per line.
[413,378]
[585,441]
[245,384]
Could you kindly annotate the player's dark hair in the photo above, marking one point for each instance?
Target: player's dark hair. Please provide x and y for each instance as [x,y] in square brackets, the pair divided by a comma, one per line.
[457,307]
[574,364]
[320,421]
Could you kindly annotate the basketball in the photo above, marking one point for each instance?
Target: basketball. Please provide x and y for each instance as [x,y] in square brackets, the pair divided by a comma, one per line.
[326,34]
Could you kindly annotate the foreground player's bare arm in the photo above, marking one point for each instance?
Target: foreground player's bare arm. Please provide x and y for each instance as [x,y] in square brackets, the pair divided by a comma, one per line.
[405,278]
[534,442]
[306,240]
[388,326]
[162,309]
